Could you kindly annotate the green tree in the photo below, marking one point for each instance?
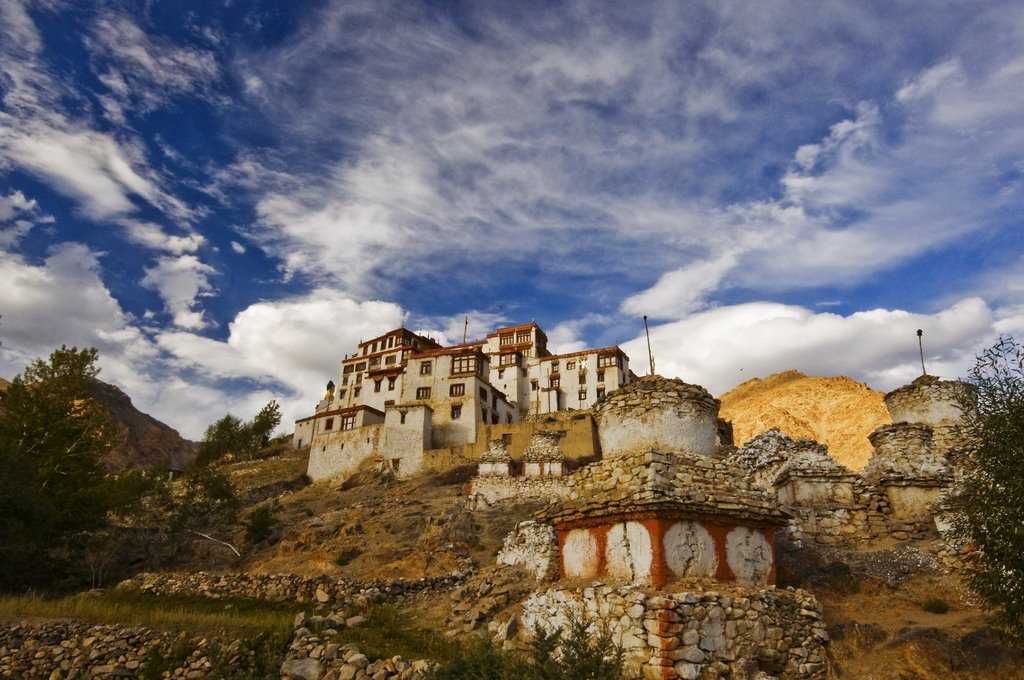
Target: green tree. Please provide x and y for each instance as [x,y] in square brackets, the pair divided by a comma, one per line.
[265,422]
[992,492]
[52,434]
[230,435]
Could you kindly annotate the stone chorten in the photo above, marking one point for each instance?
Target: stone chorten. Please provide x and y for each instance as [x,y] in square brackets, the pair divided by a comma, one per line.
[666,414]
[542,457]
[495,460]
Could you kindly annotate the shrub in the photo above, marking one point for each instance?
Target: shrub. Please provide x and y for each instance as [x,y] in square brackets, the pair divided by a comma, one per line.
[935,605]
[260,524]
[573,654]
[992,494]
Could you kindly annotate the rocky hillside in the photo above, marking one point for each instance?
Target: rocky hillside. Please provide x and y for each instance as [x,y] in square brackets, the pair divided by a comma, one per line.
[837,411]
[143,441]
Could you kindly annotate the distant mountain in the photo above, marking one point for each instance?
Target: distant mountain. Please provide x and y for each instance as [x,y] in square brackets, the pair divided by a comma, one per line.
[143,441]
[837,411]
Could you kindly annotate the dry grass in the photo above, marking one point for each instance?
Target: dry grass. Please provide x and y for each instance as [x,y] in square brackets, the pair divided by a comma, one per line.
[163,613]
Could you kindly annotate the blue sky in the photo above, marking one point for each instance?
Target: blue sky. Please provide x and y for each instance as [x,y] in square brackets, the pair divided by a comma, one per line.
[225,197]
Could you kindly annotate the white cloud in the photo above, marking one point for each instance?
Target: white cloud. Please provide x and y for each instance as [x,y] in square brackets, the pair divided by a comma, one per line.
[722,347]
[566,336]
[237,247]
[298,342]
[18,215]
[146,70]
[450,330]
[180,281]
[681,291]
[153,236]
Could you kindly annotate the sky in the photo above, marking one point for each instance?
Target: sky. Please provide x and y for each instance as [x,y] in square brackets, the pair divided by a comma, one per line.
[224,197]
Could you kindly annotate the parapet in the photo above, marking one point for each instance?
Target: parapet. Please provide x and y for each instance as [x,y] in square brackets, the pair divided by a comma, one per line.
[495,460]
[655,412]
[927,400]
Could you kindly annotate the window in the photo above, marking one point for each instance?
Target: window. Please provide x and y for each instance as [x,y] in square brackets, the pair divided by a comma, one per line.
[583,378]
[556,381]
[348,422]
[494,418]
[457,389]
[464,364]
[373,347]
[501,373]
[423,393]
[329,424]
[344,380]
[608,360]
[570,365]
[391,383]
[494,399]
[389,402]
[506,339]
[456,411]
[483,394]
[361,366]
[376,385]
[554,366]
[341,394]
[600,393]
[534,385]
[401,417]
[426,367]
[508,359]
[359,378]
[523,336]
[355,391]
[583,395]
[508,418]
[348,369]
[483,412]
[374,362]
[600,376]
[390,359]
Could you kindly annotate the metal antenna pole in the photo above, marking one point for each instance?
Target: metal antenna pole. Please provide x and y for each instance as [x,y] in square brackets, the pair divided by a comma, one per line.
[920,347]
[465,329]
[650,354]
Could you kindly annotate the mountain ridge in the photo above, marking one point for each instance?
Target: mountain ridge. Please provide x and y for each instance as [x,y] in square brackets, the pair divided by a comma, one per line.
[835,410]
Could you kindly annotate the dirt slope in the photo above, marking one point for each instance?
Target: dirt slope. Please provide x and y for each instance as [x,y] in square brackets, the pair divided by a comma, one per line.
[836,410]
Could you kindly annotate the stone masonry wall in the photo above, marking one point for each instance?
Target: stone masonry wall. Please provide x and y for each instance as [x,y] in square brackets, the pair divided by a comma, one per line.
[727,633]
[658,412]
[284,587]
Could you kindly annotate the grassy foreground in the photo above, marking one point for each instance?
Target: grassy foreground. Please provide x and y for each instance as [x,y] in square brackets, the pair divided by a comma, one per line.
[173,613]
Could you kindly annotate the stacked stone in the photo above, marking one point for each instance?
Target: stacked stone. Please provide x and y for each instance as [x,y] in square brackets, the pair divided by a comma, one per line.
[810,459]
[904,454]
[543,448]
[52,651]
[656,412]
[285,587]
[534,547]
[723,633]
[763,457]
[497,452]
[645,481]
[314,655]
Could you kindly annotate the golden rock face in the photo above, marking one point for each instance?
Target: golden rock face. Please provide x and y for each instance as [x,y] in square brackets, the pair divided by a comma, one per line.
[836,410]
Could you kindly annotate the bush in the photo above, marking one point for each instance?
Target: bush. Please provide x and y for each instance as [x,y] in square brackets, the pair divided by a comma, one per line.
[992,494]
[573,654]
[260,524]
[935,605]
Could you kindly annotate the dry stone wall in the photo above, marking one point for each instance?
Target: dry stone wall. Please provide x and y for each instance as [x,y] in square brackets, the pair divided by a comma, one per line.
[58,650]
[700,633]
[285,587]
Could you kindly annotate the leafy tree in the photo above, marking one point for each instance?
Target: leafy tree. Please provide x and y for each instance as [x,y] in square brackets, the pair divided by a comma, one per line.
[260,524]
[208,499]
[992,492]
[230,435]
[265,422]
[52,434]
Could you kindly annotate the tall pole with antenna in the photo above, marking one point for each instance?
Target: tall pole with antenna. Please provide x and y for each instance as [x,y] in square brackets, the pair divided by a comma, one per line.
[465,329]
[650,354]
[920,348]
